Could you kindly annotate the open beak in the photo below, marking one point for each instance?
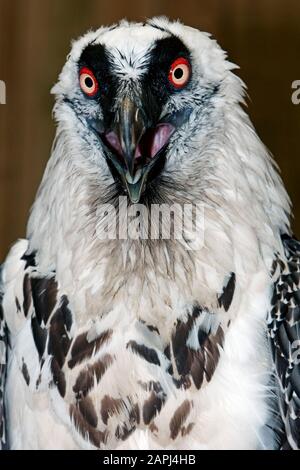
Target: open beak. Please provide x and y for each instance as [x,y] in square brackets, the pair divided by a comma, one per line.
[135,147]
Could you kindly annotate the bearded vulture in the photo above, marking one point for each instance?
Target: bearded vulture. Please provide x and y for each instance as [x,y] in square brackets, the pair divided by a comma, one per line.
[149,342]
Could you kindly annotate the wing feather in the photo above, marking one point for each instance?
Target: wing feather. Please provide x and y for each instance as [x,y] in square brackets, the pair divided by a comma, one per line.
[3,354]
[284,336]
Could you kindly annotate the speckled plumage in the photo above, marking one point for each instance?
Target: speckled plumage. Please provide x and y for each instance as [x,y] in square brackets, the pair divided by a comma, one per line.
[144,343]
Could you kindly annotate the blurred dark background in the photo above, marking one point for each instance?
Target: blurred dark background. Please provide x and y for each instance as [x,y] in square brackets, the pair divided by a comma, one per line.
[262,36]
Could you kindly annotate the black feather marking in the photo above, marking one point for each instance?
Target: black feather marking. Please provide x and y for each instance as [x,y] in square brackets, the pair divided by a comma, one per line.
[66,312]
[156,26]
[4,444]
[283,328]
[200,363]
[88,411]
[149,354]
[58,377]
[59,341]
[25,372]
[295,382]
[153,405]
[39,336]
[97,58]
[179,418]
[150,327]
[274,267]
[110,406]
[83,349]
[90,375]
[18,304]
[44,294]
[26,294]
[29,259]
[123,431]
[96,437]
[226,297]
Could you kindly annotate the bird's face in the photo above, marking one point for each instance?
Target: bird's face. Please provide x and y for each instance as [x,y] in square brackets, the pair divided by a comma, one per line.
[136,96]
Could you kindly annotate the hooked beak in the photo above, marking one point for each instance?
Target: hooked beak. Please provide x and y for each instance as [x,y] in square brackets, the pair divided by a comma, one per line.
[135,146]
[130,129]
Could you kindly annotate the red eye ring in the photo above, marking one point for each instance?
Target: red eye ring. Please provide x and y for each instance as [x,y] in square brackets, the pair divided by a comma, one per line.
[88,82]
[180,72]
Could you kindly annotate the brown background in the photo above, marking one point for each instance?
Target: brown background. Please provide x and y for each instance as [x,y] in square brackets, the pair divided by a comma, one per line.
[262,36]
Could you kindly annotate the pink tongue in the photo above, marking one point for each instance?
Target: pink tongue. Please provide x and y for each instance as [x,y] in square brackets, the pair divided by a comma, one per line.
[161,137]
[155,141]
[114,142]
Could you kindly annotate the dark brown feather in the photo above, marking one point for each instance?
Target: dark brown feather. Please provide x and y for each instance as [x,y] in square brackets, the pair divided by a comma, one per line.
[26,294]
[179,418]
[89,374]
[44,295]
[58,377]
[96,437]
[88,411]
[84,349]
[226,297]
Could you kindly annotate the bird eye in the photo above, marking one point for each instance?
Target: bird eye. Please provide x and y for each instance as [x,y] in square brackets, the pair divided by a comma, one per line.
[180,72]
[88,82]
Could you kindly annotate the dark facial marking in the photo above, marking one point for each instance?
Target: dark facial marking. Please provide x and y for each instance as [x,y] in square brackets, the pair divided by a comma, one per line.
[156,81]
[155,84]
[96,58]
[84,349]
